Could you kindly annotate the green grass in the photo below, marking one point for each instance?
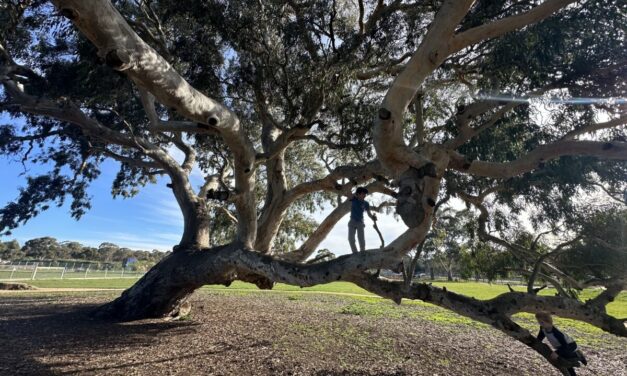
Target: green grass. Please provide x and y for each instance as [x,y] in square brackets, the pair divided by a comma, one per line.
[359,302]
[366,303]
[117,283]
[56,274]
[618,308]
[334,287]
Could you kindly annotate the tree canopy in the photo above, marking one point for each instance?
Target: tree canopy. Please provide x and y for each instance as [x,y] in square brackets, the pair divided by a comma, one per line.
[50,249]
[516,108]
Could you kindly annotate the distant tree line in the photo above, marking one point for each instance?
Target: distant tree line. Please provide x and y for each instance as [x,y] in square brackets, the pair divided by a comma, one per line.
[48,248]
[590,247]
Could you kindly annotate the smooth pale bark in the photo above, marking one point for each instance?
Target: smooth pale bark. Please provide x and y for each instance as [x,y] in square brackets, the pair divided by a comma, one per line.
[387,132]
[439,43]
[508,24]
[318,236]
[125,51]
[614,150]
[620,121]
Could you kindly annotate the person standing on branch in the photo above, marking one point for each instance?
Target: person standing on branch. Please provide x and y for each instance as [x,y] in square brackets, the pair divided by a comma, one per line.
[356,223]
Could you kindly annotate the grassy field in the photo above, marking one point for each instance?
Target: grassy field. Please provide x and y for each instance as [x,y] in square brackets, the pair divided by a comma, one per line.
[44,274]
[477,290]
[332,318]
[366,304]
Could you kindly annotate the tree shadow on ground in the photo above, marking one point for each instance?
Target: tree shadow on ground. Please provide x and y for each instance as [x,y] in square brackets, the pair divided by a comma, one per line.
[45,336]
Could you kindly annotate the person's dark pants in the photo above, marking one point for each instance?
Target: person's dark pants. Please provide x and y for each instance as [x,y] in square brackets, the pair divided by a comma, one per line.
[358,227]
[568,353]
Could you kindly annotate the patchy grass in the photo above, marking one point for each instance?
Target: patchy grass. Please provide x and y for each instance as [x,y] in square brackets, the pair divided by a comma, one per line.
[113,283]
[243,332]
[347,337]
[368,304]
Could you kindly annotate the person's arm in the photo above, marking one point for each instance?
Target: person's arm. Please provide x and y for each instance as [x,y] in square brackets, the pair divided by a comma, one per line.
[565,348]
[540,335]
[370,214]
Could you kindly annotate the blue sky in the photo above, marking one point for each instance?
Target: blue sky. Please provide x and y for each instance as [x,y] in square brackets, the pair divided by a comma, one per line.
[151,220]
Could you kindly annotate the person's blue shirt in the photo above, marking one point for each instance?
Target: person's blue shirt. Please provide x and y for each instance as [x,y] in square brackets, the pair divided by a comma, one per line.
[357,209]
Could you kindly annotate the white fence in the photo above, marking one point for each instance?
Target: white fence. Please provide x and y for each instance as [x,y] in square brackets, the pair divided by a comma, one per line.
[36,272]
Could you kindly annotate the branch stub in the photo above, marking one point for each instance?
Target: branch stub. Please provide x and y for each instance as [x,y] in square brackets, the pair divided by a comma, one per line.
[384,114]
[118,59]
[212,120]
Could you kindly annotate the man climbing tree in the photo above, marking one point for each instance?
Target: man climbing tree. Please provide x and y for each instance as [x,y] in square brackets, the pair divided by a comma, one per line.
[282,106]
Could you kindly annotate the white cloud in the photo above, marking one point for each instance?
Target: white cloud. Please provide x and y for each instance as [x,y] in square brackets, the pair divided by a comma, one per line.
[164,210]
[130,240]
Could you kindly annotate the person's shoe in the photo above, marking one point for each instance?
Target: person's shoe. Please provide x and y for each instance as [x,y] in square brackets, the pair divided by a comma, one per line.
[581,357]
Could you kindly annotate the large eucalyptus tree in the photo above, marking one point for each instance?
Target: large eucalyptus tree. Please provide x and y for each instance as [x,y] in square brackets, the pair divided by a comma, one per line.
[286,105]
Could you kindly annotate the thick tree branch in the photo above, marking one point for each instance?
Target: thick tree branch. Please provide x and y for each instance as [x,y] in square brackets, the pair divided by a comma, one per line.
[131,161]
[356,174]
[505,25]
[125,51]
[463,119]
[311,244]
[496,312]
[622,120]
[613,288]
[614,150]
[394,155]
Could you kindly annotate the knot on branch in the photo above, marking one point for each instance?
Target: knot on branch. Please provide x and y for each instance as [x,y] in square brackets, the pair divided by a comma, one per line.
[434,56]
[384,114]
[218,195]
[536,290]
[466,164]
[409,198]
[213,120]
[118,59]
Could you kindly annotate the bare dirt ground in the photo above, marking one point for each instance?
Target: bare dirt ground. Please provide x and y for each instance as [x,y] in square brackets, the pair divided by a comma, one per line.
[265,334]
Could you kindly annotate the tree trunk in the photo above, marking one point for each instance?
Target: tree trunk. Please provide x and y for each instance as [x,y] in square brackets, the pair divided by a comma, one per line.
[164,290]
[431,272]
[196,229]
[449,275]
